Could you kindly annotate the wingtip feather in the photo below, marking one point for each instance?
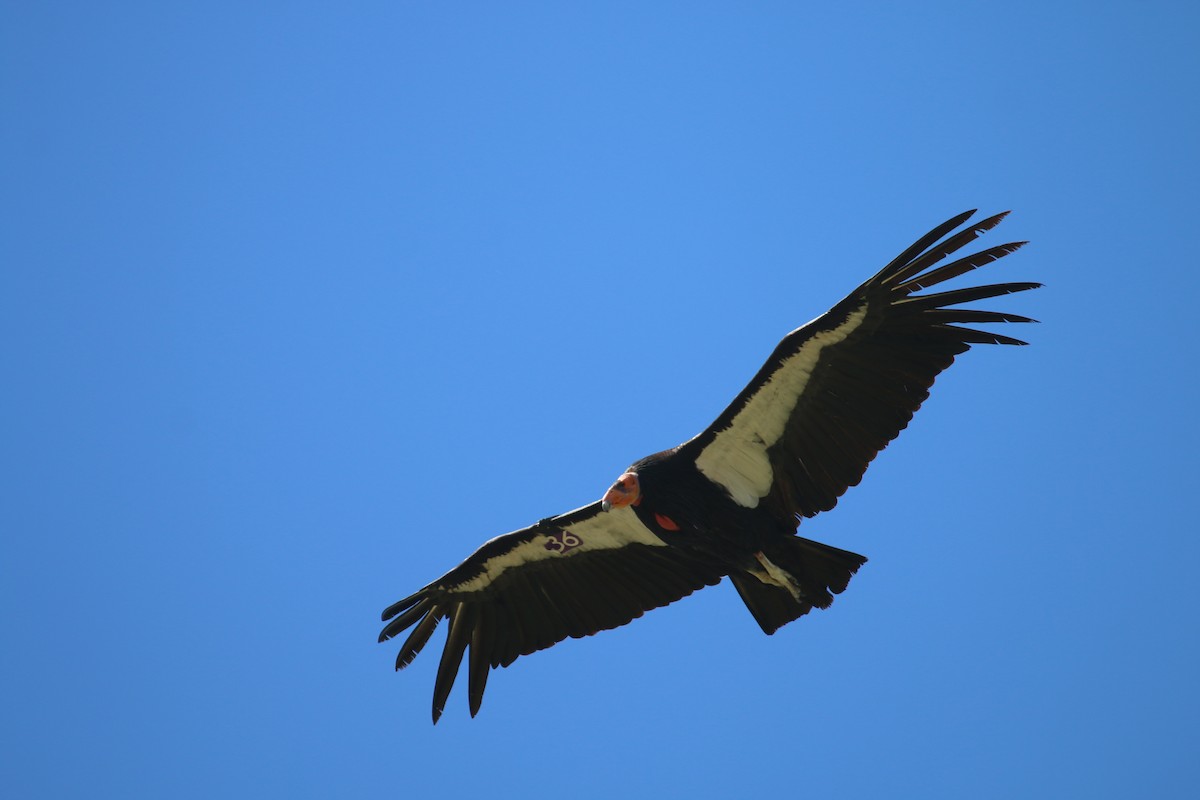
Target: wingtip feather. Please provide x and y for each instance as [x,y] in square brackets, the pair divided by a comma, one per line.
[461,622]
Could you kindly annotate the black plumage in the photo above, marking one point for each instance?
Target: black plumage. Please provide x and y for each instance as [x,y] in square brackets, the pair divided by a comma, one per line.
[728,502]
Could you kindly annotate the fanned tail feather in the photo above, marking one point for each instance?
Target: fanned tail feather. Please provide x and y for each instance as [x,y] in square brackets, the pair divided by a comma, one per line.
[818,570]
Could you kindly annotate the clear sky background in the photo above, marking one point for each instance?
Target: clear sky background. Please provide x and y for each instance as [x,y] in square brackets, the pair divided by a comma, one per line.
[300,303]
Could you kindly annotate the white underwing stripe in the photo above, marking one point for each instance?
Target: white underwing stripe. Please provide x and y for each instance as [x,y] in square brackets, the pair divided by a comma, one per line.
[606,530]
[737,459]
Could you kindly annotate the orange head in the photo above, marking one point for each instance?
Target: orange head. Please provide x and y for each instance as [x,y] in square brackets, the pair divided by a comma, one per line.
[625,492]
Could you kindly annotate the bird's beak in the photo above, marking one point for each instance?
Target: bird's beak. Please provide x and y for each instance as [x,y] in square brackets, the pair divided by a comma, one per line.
[605,505]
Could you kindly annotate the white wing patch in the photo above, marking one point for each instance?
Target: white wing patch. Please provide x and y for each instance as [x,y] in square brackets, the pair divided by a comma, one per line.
[607,530]
[737,458]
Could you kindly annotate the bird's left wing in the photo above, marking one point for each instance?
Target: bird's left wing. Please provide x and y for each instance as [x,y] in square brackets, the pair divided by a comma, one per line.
[572,575]
[837,390]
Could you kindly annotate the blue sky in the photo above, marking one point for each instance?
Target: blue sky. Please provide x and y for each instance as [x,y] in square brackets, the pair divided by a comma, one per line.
[300,303]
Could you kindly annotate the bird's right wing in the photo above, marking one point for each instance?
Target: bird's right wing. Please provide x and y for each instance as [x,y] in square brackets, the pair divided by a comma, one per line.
[571,575]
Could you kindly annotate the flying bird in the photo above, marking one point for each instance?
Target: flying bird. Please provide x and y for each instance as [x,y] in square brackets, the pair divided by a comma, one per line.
[728,502]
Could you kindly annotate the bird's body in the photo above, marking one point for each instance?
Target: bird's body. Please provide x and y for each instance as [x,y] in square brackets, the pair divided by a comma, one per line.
[728,501]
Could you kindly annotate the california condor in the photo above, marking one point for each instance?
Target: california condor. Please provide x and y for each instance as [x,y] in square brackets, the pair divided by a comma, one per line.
[727,502]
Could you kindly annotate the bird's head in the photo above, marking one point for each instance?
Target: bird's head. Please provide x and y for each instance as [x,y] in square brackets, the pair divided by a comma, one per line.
[625,492]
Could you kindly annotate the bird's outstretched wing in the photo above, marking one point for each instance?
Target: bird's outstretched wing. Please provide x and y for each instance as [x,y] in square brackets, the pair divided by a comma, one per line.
[572,575]
[837,390]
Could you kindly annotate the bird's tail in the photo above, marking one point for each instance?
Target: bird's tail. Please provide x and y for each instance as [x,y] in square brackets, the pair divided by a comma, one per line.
[792,576]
